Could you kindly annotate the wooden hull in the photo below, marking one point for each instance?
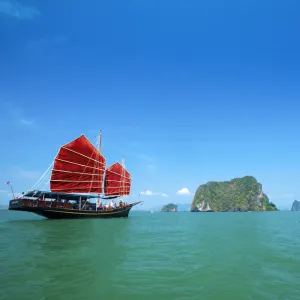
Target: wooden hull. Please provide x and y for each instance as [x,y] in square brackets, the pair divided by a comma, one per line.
[64,213]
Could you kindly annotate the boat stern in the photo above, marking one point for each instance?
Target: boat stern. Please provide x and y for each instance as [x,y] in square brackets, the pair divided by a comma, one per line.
[15,204]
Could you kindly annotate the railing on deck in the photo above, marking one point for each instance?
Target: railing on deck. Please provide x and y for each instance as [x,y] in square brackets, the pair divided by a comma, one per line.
[48,204]
[59,204]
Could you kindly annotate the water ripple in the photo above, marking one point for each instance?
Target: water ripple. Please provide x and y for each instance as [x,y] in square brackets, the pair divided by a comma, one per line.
[151,256]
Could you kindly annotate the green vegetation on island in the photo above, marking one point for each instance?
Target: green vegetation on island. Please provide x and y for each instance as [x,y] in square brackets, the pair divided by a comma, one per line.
[296,206]
[169,208]
[239,194]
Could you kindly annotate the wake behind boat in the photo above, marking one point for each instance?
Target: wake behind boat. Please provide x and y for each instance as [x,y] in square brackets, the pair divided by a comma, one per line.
[78,176]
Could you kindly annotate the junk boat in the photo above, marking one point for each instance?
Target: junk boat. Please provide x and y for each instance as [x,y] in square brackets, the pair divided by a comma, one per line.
[80,185]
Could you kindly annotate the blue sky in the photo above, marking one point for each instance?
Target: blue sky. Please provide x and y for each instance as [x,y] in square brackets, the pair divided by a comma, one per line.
[186,91]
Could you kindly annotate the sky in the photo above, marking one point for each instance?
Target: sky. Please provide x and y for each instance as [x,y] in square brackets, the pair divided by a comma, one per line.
[186,91]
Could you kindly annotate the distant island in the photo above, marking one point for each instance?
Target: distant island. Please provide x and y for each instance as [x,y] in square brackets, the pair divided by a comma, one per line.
[296,206]
[239,194]
[169,208]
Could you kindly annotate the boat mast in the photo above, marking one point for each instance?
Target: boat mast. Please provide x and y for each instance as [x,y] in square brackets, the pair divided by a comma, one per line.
[100,150]
[100,142]
[123,165]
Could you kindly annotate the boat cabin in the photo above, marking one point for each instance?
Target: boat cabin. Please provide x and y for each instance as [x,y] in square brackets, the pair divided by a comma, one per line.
[48,199]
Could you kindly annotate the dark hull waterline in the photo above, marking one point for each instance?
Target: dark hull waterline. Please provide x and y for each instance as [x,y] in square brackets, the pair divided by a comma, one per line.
[62,213]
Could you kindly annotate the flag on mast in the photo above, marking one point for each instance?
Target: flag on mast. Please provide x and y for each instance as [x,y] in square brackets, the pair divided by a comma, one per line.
[8,183]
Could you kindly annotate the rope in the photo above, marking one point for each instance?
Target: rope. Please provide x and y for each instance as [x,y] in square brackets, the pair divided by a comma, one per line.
[42,177]
[85,169]
[95,167]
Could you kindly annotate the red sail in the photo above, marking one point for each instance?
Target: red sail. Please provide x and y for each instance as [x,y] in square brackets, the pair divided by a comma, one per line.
[117,181]
[78,168]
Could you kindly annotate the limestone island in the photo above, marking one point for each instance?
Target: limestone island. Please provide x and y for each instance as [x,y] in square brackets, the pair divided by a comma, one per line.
[296,206]
[169,208]
[238,195]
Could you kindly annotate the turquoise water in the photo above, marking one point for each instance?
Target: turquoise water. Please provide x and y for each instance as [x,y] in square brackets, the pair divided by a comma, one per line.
[151,256]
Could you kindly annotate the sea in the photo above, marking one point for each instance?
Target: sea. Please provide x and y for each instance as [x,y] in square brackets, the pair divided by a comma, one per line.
[153,256]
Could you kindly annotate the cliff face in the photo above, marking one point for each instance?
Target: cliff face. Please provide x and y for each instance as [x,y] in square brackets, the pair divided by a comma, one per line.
[169,208]
[296,206]
[239,194]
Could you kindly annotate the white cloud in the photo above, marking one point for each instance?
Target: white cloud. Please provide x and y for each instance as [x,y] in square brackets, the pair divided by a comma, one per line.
[150,193]
[184,191]
[26,122]
[17,10]
[147,193]
[17,114]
